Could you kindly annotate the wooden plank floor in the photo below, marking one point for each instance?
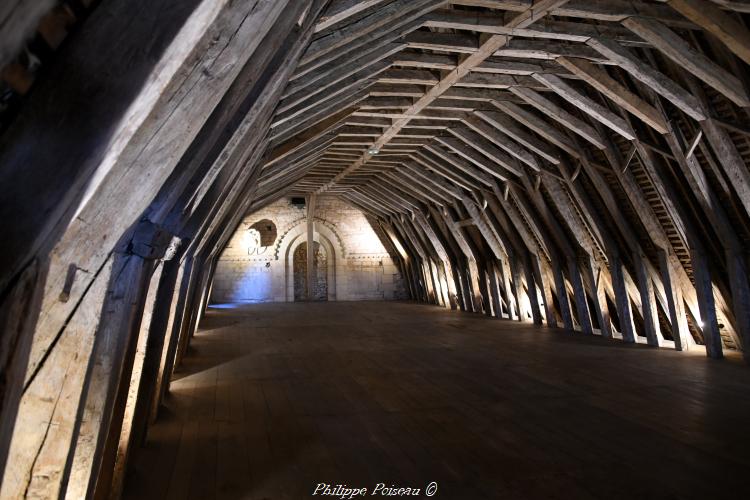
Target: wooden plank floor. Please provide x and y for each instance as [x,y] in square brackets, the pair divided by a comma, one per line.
[274,399]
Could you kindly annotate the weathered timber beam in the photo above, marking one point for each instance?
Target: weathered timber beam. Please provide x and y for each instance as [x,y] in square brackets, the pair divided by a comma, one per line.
[332,96]
[560,115]
[549,50]
[614,90]
[301,140]
[236,162]
[513,5]
[125,191]
[487,148]
[71,179]
[362,45]
[538,125]
[384,16]
[502,140]
[340,10]
[416,59]
[477,165]
[111,362]
[711,18]
[228,205]
[414,192]
[491,22]
[677,49]
[344,66]
[660,83]
[431,181]
[337,83]
[618,10]
[436,158]
[404,179]
[489,47]
[319,113]
[457,43]
[731,161]
[509,127]
[551,235]
[735,5]
[587,105]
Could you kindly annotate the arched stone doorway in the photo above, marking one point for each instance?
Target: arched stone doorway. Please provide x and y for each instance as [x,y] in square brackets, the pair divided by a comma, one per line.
[320,273]
[290,242]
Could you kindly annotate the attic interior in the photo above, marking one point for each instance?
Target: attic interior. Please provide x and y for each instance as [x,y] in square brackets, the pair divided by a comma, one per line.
[295,248]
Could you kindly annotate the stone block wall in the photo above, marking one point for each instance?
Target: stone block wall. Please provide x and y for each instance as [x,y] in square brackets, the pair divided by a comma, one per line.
[251,269]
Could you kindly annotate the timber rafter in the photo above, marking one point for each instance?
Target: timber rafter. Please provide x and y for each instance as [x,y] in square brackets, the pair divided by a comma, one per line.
[475,98]
[577,163]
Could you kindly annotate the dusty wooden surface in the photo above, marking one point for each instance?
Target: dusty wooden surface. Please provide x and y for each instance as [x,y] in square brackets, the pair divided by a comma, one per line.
[274,398]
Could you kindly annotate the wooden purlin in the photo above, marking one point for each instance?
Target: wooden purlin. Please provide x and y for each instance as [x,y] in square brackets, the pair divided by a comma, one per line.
[495,42]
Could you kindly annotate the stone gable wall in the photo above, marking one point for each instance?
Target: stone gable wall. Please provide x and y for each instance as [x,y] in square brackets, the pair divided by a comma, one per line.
[359,268]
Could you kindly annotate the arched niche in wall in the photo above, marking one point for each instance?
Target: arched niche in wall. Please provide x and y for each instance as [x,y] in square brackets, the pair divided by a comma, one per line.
[266,230]
[323,235]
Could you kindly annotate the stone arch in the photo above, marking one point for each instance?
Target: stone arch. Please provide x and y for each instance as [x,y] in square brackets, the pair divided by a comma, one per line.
[299,226]
[322,235]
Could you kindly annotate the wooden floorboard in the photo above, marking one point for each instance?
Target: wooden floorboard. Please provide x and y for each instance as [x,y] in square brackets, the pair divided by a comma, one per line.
[275,398]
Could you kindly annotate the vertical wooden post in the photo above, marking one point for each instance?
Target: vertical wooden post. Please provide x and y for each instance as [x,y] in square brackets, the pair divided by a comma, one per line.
[110,363]
[450,288]
[562,297]
[706,304]
[472,279]
[511,301]
[186,330]
[417,282]
[517,286]
[624,311]
[648,301]
[582,305]
[737,270]
[409,277]
[440,294]
[426,280]
[39,474]
[432,283]
[600,297]
[531,291]
[172,336]
[310,245]
[541,275]
[18,312]
[158,329]
[111,479]
[496,300]
[460,295]
[96,437]
[204,285]
[484,289]
[468,288]
[675,302]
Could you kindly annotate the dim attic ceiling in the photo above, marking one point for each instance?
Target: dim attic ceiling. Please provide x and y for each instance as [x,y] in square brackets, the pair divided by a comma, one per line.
[582,161]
